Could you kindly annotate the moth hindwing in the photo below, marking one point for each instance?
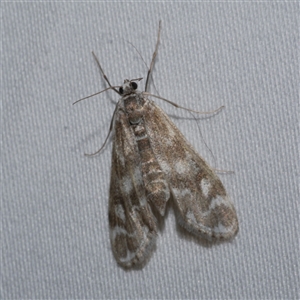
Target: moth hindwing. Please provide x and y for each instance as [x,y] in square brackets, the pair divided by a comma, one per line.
[151,163]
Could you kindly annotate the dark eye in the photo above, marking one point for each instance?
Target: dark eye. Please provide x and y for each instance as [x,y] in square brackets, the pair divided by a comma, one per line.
[121,91]
[134,85]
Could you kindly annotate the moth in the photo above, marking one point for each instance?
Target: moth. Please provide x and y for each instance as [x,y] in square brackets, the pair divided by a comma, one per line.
[152,162]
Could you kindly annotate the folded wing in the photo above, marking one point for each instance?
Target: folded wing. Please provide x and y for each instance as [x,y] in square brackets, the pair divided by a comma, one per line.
[132,224]
[202,204]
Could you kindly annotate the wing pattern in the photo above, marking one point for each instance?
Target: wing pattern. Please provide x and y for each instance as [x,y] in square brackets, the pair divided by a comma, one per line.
[132,224]
[202,203]
[152,162]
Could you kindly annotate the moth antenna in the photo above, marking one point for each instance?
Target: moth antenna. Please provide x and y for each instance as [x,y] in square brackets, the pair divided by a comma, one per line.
[153,57]
[138,52]
[103,74]
[140,55]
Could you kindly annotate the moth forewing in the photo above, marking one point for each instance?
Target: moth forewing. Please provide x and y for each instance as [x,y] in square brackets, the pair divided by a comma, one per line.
[199,196]
[132,224]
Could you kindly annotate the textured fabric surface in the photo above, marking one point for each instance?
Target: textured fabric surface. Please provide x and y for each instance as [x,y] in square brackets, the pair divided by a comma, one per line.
[54,234]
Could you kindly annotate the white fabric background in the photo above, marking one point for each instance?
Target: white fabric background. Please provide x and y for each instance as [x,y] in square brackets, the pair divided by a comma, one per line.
[54,235]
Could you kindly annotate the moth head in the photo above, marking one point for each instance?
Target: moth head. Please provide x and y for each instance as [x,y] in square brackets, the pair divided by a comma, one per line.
[128,87]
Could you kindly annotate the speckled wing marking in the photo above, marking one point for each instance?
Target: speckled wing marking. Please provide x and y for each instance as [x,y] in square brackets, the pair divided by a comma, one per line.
[132,224]
[203,207]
